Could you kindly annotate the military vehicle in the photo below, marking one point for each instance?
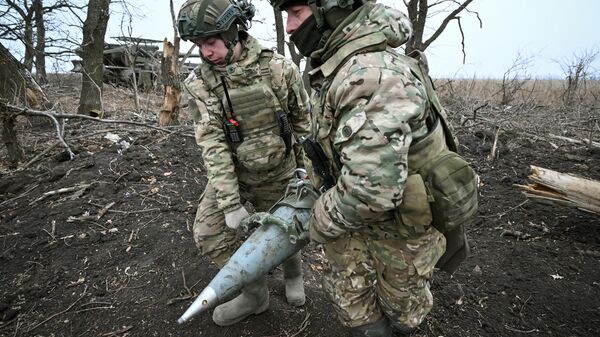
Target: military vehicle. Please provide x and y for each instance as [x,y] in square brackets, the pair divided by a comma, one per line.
[134,56]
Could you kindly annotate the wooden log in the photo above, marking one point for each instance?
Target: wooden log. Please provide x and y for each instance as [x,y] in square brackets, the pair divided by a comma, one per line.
[563,189]
[585,141]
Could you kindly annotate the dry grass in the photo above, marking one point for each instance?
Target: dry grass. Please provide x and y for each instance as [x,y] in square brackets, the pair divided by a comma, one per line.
[537,108]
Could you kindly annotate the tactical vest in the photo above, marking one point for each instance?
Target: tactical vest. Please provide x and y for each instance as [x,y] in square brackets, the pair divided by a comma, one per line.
[257,111]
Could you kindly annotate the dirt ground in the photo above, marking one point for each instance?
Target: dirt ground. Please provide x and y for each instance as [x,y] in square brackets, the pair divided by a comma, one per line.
[101,245]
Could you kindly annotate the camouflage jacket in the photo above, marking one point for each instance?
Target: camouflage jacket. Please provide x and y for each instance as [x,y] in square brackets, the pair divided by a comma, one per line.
[367,108]
[226,171]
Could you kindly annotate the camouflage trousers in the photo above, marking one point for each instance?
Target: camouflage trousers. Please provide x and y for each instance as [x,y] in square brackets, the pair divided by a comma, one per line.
[213,238]
[367,279]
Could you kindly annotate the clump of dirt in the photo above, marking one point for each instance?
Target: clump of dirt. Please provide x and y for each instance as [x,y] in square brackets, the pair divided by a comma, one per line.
[101,245]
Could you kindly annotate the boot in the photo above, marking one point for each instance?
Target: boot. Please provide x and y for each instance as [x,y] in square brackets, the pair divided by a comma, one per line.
[402,329]
[254,299]
[381,328]
[294,282]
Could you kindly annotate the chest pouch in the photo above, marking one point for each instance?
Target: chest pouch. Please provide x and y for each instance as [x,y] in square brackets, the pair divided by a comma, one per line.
[256,108]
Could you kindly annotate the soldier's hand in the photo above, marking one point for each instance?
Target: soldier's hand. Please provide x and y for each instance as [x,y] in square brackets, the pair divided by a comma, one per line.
[259,219]
[301,173]
[233,218]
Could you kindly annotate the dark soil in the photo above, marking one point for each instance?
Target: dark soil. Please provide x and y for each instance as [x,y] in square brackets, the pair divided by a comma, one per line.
[114,255]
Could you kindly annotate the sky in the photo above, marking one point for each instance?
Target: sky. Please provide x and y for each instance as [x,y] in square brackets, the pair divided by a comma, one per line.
[546,33]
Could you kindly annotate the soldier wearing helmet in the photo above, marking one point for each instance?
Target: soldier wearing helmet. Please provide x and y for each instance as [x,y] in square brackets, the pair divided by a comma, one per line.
[249,107]
[372,107]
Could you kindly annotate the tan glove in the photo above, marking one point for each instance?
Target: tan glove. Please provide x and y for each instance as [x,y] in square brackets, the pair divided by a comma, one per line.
[233,218]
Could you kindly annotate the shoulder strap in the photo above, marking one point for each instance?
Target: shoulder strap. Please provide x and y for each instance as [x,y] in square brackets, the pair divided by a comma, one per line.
[263,62]
[419,67]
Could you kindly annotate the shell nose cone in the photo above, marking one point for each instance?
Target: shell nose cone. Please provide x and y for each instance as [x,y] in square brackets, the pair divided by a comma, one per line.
[207,299]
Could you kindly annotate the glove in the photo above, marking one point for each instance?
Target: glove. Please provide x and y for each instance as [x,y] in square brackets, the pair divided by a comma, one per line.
[233,218]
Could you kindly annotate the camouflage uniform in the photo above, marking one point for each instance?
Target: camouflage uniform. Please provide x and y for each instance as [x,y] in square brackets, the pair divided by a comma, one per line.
[375,223]
[258,169]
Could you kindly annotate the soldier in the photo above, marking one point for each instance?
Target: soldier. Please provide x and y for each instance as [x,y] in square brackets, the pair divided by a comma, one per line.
[371,114]
[249,107]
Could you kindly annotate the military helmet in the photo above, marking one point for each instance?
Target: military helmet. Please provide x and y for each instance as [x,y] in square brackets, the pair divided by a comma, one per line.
[205,18]
[325,5]
[282,4]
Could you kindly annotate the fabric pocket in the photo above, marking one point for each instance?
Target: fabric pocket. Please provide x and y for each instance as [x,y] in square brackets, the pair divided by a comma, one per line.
[414,212]
[261,153]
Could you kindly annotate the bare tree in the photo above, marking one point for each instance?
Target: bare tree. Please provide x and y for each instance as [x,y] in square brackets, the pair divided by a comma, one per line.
[92,47]
[29,22]
[18,25]
[515,78]
[577,73]
[420,10]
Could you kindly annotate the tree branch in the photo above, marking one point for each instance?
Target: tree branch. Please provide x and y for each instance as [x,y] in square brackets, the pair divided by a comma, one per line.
[441,28]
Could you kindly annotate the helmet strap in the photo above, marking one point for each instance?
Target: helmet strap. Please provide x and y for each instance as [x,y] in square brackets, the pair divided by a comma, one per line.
[230,38]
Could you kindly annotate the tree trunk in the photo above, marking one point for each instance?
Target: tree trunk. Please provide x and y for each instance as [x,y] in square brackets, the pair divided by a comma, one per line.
[563,189]
[40,45]
[9,137]
[418,23]
[16,86]
[28,42]
[169,115]
[16,83]
[92,47]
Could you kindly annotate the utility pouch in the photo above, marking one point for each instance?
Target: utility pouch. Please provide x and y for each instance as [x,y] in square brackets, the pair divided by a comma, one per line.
[285,130]
[319,161]
[452,185]
[232,130]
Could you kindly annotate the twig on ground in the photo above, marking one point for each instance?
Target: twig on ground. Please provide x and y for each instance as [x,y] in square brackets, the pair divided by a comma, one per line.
[185,283]
[39,156]
[118,332]
[507,327]
[523,307]
[10,234]
[543,228]
[585,141]
[61,191]
[590,253]
[8,250]
[52,114]
[134,212]
[190,294]
[492,154]
[303,325]
[104,305]
[104,210]
[59,131]
[501,214]
[517,234]
[20,196]
[61,312]
[53,233]
[474,118]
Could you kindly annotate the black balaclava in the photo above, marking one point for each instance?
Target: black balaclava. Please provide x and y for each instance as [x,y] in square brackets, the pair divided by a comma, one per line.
[310,36]
[307,37]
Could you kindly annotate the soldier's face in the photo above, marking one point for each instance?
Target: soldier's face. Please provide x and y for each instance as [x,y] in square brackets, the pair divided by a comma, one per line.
[213,49]
[296,15]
